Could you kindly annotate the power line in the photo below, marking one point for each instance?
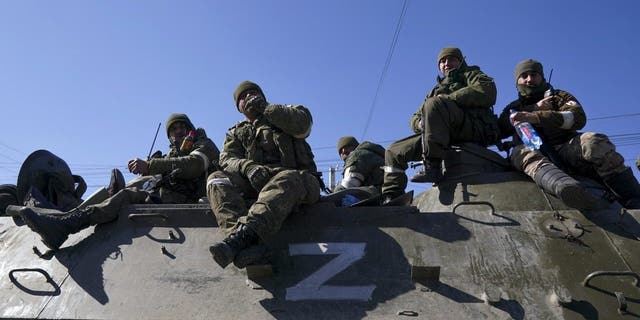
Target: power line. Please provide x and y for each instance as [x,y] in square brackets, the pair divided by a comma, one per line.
[386,66]
[615,116]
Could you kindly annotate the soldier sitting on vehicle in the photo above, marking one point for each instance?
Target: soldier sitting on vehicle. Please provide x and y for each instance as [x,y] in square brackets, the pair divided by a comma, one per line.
[557,115]
[362,163]
[264,157]
[179,177]
[458,109]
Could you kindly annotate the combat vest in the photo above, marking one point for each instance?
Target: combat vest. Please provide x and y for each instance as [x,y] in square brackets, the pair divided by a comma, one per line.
[270,146]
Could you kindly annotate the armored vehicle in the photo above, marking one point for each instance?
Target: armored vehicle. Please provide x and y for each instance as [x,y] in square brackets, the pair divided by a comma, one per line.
[485,243]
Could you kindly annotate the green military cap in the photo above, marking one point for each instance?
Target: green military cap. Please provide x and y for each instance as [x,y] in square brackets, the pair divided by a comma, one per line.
[179,117]
[244,86]
[528,65]
[347,141]
[450,51]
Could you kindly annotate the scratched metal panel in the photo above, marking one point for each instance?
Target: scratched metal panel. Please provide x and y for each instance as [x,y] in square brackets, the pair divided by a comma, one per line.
[329,263]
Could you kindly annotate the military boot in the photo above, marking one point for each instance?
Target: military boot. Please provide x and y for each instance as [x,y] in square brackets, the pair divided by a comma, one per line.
[116,183]
[55,228]
[226,251]
[431,172]
[555,181]
[625,185]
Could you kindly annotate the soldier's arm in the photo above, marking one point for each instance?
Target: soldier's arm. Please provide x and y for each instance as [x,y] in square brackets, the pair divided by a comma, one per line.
[293,120]
[233,157]
[480,91]
[194,164]
[567,113]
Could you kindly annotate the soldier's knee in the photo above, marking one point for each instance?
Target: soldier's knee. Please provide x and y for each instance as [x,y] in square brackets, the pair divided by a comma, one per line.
[595,146]
[433,104]
[218,178]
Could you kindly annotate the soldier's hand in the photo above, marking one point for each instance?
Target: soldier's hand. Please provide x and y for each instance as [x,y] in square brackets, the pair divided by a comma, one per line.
[138,166]
[522,116]
[258,176]
[545,104]
[257,104]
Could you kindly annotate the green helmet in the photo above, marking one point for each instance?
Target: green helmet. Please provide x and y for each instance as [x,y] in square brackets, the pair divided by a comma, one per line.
[244,86]
[450,51]
[179,117]
[347,141]
[528,65]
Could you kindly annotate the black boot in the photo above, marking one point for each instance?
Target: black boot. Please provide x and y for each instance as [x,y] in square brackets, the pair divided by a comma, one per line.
[54,229]
[553,180]
[225,252]
[625,185]
[431,172]
[116,183]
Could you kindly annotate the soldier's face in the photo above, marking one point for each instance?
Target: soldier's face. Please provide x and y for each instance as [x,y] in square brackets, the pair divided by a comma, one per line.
[177,131]
[244,96]
[530,79]
[345,151]
[448,64]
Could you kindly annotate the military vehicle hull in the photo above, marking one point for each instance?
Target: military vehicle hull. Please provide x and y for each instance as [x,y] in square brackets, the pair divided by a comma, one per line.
[489,245]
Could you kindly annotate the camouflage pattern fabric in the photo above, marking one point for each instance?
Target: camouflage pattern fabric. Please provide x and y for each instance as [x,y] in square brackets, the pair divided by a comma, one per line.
[275,140]
[367,160]
[195,165]
[590,154]
[458,109]
[550,128]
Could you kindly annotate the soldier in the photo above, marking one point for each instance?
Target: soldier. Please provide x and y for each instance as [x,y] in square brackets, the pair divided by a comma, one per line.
[557,115]
[458,109]
[179,177]
[362,163]
[264,157]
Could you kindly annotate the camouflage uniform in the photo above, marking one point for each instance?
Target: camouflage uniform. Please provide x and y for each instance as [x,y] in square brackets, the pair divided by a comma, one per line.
[276,140]
[188,186]
[588,154]
[458,109]
[364,163]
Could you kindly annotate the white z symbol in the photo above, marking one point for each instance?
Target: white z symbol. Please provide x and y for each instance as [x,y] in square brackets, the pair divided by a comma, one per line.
[311,288]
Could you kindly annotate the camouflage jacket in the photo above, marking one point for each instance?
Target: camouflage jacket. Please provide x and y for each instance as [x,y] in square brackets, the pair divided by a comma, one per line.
[553,128]
[366,160]
[469,88]
[275,139]
[194,164]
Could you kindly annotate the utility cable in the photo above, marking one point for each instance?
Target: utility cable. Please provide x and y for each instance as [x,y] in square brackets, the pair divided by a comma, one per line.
[386,66]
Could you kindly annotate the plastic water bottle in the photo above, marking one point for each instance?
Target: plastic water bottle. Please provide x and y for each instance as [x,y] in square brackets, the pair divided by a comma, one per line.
[527,134]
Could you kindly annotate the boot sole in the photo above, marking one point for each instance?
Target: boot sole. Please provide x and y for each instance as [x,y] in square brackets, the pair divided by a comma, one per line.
[221,255]
[578,198]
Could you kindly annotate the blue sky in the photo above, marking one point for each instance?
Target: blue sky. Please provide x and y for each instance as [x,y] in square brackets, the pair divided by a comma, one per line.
[91,80]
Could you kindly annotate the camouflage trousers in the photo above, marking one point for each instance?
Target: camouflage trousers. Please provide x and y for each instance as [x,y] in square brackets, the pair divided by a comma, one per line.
[446,123]
[109,209]
[283,194]
[588,154]
[162,194]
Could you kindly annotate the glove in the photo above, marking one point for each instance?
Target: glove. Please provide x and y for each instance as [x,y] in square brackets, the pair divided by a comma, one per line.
[256,104]
[258,176]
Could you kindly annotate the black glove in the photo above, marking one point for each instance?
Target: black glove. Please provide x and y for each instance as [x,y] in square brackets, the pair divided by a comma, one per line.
[256,104]
[258,176]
